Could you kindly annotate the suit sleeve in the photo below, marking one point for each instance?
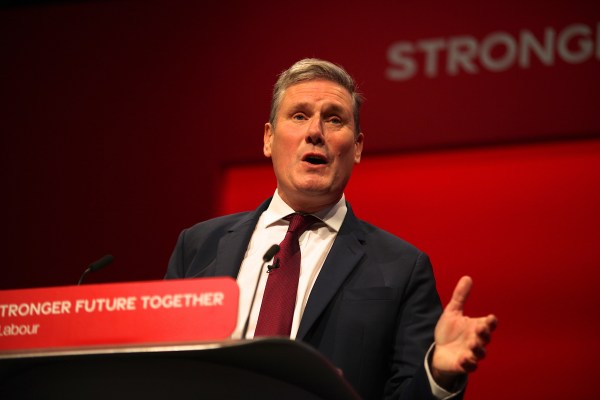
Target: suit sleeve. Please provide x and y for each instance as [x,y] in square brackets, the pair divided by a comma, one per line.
[417,317]
[176,267]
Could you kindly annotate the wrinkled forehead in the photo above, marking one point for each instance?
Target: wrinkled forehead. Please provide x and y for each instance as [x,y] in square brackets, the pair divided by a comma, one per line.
[318,92]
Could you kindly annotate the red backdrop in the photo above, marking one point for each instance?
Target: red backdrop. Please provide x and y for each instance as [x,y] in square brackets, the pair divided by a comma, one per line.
[118,119]
[523,221]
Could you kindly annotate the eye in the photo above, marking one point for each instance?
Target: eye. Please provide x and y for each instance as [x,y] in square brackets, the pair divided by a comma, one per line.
[335,120]
[299,117]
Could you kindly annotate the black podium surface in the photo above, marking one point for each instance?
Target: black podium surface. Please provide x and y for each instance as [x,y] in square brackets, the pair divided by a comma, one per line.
[269,368]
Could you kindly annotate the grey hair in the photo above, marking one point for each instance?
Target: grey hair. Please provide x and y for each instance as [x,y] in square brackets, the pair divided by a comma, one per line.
[310,69]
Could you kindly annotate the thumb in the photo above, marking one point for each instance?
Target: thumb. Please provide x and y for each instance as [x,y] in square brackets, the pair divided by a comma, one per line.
[460,294]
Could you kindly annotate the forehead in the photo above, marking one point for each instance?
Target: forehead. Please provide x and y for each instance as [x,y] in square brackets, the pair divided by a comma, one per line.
[317,92]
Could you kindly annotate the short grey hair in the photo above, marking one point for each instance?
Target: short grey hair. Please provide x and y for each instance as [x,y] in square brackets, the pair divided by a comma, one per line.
[310,69]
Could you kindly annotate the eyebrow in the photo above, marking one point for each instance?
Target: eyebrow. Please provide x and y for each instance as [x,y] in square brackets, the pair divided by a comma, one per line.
[336,109]
[329,107]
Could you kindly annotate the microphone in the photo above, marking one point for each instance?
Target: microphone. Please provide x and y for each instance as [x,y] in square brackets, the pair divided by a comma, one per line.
[266,258]
[273,266]
[95,266]
[270,253]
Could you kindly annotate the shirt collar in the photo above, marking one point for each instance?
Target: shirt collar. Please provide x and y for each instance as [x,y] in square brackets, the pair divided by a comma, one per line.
[331,216]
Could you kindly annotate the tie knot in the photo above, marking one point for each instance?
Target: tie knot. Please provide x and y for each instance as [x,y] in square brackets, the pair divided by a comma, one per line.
[300,222]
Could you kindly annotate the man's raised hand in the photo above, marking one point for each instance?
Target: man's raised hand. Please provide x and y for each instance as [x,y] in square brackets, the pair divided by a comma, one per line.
[460,341]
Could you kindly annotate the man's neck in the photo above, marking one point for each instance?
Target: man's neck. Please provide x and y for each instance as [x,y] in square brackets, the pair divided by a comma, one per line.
[309,205]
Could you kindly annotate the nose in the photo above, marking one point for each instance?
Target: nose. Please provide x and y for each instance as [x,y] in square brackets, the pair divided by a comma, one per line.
[314,133]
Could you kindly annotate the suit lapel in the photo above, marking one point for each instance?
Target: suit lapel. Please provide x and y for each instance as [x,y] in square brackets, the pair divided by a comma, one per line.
[346,252]
[233,245]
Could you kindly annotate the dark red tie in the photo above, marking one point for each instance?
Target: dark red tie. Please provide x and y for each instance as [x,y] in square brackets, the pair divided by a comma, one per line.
[279,300]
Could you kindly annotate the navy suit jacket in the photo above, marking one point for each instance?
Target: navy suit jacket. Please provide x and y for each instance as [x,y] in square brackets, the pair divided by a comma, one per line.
[372,310]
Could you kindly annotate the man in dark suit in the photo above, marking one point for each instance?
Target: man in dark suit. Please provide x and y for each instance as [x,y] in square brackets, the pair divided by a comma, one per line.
[362,297]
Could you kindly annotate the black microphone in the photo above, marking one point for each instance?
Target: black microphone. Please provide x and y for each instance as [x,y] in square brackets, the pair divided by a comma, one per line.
[273,266]
[270,253]
[266,258]
[95,266]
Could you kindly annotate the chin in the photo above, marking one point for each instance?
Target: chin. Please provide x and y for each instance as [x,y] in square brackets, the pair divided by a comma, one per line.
[315,187]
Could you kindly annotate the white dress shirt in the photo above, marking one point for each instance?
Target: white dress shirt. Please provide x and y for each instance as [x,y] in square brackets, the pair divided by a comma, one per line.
[271,228]
[315,245]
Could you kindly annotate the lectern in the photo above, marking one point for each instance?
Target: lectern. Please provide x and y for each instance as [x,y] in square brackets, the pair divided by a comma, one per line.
[152,340]
[251,369]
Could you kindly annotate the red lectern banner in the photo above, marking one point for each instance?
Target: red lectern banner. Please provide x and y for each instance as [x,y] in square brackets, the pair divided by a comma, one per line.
[155,312]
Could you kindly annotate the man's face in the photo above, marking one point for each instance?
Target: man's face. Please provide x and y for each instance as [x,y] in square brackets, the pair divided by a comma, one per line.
[313,144]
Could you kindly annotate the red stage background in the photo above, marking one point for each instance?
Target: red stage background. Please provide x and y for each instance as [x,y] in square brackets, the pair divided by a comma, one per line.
[122,122]
[523,221]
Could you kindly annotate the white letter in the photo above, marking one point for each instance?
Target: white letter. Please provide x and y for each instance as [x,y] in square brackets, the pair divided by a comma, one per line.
[461,51]
[24,309]
[65,307]
[585,44]
[431,47]
[219,298]
[529,44]
[503,63]
[78,305]
[395,57]
[12,310]
[131,303]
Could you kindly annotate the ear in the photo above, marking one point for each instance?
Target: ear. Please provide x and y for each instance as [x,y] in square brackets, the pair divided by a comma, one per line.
[358,147]
[268,140]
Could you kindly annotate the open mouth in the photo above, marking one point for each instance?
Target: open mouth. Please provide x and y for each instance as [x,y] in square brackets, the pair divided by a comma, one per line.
[315,159]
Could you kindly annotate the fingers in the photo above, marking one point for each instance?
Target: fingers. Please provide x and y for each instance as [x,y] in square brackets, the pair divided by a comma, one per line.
[462,340]
[460,294]
[471,358]
[492,322]
[468,364]
[479,353]
[477,348]
[485,327]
